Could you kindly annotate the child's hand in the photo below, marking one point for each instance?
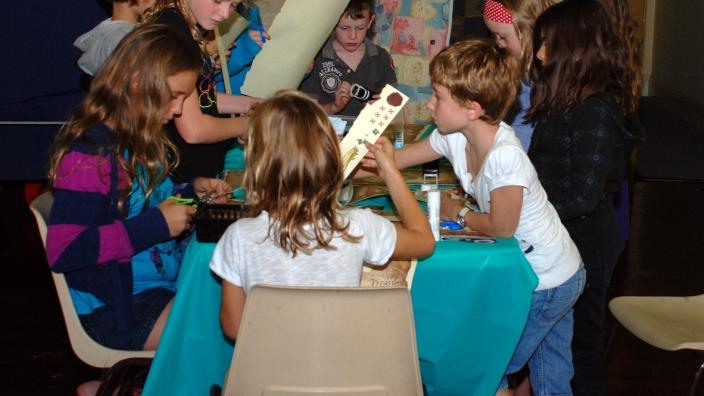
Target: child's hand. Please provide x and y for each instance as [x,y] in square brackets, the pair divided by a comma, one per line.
[381,157]
[259,37]
[177,216]
[373,99]
[217,188]
[449,207]
[342,97]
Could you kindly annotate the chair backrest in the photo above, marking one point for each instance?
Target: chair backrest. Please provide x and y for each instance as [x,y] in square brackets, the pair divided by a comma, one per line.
[324,342]
[89,351]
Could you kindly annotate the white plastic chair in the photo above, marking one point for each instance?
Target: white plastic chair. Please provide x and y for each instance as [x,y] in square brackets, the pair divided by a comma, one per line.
[299,341]
[669,323]
[89,351]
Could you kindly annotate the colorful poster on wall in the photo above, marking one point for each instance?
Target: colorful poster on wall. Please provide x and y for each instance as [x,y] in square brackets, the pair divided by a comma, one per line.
[413,31]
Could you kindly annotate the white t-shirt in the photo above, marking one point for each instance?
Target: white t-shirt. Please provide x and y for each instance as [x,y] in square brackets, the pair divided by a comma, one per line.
[245,257]
[554,257]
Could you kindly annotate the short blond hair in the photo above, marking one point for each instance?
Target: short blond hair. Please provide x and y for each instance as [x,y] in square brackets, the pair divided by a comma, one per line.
[478,71]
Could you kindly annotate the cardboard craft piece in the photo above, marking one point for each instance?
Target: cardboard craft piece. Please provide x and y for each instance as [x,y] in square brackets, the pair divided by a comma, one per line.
[296,38]
[369,125]
[225,35]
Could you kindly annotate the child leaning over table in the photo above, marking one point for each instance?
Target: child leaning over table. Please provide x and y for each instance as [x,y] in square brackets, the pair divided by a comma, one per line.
[299,235]
[349,57]
[474,84]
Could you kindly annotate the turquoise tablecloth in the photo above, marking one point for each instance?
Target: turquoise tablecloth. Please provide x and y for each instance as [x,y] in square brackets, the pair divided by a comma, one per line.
[470,303]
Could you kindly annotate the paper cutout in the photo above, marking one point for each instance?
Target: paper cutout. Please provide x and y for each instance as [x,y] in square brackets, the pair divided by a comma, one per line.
[369,125]
[296,37]
[339,124]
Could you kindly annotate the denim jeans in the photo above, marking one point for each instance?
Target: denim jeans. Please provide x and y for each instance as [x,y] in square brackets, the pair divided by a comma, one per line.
[101,324]
[546,340]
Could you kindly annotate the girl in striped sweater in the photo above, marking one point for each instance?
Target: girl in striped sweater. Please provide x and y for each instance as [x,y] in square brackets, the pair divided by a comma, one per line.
[111,227]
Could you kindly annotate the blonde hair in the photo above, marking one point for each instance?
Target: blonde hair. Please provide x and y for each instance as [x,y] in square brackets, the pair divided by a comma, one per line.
[524,13]
[294,172]
[182,6]
[480,71]
[131,90]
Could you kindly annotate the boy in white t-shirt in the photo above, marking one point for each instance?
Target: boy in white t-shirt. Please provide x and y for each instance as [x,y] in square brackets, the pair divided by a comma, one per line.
[474,84]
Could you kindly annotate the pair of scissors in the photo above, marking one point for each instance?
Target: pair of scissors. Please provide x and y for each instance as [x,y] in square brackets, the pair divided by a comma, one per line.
[205,201]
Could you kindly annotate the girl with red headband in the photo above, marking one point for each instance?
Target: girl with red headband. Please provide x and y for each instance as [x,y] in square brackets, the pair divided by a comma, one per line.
[511,23]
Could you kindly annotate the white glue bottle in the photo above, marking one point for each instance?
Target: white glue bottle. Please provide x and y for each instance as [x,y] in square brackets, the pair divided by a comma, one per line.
[433,203]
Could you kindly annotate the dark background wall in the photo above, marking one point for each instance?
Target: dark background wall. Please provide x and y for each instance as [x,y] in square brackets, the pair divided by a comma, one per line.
[41,82]
[39,79]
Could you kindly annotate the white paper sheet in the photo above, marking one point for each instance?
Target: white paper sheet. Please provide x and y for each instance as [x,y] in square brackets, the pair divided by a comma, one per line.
[369,125]
[297,34]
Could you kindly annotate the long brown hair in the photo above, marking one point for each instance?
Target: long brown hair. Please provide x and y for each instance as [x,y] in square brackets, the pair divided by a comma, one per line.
[626,27]
[294,172]
[583,57]
[182,7]
[131,91]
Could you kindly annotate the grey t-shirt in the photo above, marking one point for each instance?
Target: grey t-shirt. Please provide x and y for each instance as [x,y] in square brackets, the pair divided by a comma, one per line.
[245,257]
[99,43]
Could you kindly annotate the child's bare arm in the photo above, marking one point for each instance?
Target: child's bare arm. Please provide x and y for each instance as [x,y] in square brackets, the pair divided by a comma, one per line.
[410,155]
[196,127]
[235,104]
[413,236]
[231,308]
[506,205]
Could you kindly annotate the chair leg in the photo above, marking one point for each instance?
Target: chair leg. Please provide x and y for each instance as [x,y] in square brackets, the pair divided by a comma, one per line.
[695,383]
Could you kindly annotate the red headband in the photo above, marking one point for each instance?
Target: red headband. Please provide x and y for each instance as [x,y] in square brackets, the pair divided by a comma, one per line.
[497,12]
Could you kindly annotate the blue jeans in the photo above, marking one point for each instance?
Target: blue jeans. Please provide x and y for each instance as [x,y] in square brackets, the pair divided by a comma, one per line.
[101,324]
[546,340]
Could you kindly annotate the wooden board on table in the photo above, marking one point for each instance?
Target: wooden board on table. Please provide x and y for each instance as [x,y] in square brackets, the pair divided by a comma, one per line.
[393,274]
[411,176]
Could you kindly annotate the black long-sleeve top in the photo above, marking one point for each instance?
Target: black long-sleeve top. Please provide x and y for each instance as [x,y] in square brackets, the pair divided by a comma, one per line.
[579,156]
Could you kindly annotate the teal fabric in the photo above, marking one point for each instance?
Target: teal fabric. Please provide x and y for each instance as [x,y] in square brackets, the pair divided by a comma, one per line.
[234,158]
[470,303]
[193,353]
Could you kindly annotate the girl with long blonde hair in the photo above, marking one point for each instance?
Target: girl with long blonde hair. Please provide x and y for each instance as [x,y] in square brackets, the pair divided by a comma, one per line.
[298,233]
[204,131]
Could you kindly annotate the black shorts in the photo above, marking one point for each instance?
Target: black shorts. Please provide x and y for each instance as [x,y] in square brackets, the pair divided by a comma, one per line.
[101,324]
